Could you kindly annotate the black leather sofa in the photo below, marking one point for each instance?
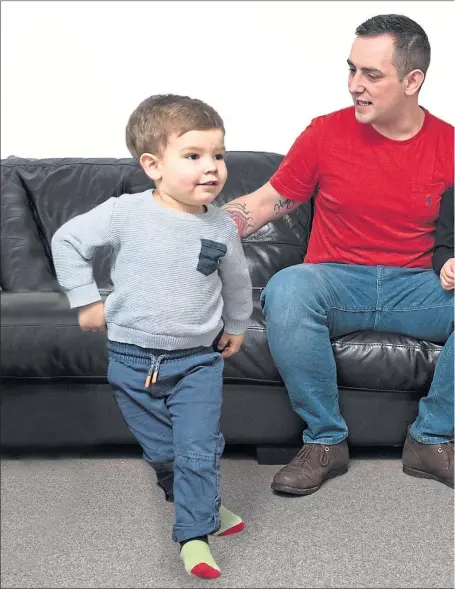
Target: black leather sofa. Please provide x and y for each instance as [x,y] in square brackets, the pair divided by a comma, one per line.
[54,390]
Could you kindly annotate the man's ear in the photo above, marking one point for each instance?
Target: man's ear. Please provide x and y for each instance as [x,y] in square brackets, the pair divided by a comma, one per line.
[413,81]
[151,166]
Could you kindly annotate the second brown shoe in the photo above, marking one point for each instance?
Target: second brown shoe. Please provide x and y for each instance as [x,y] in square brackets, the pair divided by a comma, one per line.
[429,461]
[313,464]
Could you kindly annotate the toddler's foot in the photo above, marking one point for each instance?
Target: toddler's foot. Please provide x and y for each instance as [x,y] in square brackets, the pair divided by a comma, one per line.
[230,523]
[198,559]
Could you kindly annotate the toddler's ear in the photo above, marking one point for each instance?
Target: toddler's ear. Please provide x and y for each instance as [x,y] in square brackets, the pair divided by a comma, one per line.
[151,165]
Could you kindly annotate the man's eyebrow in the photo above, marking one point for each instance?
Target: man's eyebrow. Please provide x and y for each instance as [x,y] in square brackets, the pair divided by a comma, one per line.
[368,70]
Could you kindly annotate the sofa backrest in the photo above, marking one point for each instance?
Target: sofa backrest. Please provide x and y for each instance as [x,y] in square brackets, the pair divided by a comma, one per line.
[38,196]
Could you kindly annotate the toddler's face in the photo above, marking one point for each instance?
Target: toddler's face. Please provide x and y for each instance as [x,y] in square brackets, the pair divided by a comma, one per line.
[192,170]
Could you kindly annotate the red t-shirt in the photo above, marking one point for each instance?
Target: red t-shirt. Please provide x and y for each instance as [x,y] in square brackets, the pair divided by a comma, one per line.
[377,199]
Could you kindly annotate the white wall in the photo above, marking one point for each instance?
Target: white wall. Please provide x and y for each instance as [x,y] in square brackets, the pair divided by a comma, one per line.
[72,72]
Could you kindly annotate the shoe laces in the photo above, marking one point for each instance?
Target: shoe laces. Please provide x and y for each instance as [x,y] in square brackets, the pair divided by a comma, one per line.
[305,451]
[447,449]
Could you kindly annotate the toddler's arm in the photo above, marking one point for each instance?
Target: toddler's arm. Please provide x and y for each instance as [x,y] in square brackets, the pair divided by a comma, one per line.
[73,247]
[237,296]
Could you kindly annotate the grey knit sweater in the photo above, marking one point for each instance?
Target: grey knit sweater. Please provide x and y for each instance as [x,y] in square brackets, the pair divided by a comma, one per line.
[178,277]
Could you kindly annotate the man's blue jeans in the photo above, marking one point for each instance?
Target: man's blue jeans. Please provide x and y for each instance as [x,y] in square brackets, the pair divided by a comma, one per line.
[177,422]
[306,305]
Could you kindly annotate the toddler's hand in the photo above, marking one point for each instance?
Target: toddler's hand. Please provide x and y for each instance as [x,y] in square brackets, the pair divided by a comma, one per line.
[447,274]
[230,344]
[91,317]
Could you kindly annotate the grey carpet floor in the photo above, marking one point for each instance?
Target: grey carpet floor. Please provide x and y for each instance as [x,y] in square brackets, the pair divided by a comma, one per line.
[102,522]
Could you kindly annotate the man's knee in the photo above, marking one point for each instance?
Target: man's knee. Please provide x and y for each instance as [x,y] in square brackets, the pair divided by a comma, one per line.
[295,284]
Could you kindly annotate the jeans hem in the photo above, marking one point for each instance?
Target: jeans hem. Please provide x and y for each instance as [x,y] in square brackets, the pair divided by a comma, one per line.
[182,534]
[430,441]
[324,441]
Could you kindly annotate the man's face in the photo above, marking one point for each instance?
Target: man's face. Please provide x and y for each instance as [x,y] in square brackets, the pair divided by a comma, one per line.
[379,96]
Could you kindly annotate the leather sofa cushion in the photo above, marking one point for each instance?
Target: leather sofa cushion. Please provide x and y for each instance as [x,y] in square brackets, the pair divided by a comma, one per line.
[42,339]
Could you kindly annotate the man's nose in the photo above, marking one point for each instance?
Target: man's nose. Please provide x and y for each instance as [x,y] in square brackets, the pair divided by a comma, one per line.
[355,84]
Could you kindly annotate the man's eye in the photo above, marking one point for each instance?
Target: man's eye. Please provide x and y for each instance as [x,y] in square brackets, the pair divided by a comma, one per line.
[352,70]
[192,156]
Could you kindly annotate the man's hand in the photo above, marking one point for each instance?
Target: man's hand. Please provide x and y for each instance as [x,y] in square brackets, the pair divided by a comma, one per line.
[91,317]
[230,344]
[447,274]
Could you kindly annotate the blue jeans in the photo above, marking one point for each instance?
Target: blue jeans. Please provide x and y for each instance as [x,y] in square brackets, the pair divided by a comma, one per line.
[306,305]
[177,422]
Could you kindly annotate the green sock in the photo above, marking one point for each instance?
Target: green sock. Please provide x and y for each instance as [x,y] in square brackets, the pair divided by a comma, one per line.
[230,523]
[198,560]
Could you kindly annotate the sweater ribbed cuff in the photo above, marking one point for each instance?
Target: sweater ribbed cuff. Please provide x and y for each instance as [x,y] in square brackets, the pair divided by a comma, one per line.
[83,295]
[236,327]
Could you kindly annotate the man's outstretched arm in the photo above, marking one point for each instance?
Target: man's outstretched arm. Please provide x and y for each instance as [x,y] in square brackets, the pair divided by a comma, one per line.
[254,210]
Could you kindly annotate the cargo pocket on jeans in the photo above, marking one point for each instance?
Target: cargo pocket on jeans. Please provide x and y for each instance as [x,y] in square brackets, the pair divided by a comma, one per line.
[209,256]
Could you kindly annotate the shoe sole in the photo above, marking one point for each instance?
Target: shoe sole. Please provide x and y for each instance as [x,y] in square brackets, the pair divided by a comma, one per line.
[419,474]
[296,491]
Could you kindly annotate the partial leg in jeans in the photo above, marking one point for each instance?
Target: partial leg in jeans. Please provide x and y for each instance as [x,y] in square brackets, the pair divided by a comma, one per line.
[304,306]
[195,409]
[413,302]
[188,393]
[187,397]
[147,417]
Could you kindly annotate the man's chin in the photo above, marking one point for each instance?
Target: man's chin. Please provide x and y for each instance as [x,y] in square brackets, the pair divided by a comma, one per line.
[364,118]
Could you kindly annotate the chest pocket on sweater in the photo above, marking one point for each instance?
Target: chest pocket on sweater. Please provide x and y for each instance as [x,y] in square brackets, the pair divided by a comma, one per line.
[209,256]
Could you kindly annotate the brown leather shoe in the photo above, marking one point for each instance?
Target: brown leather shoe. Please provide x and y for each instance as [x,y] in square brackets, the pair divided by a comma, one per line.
[314,464]
[428,461]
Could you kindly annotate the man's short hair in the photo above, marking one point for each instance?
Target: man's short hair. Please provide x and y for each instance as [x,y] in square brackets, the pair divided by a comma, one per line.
[159,116]
[412,48]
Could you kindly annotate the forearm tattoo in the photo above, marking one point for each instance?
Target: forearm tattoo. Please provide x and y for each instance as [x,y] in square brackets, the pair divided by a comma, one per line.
[286,204]
[241,216]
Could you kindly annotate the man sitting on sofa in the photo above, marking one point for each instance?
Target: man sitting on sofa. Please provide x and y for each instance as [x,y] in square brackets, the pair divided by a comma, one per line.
[378,170]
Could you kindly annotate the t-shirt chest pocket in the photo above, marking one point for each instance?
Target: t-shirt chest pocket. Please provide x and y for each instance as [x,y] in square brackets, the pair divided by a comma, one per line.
[210,255]
[425,199]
